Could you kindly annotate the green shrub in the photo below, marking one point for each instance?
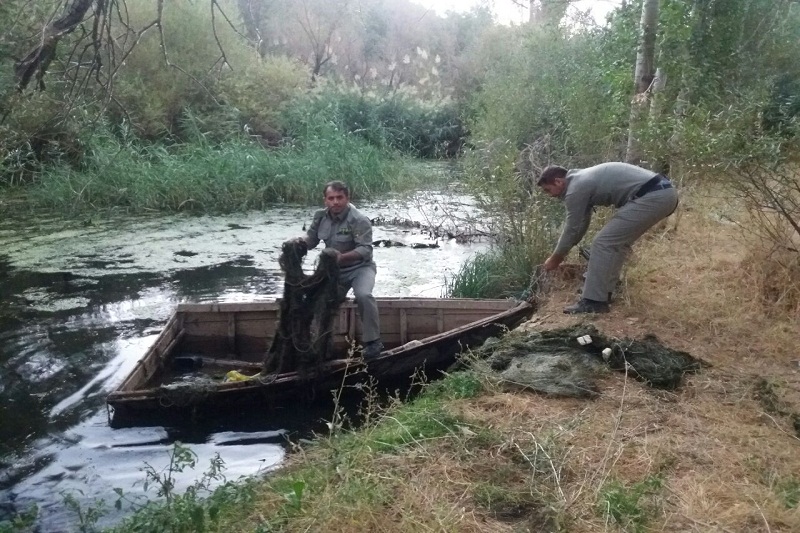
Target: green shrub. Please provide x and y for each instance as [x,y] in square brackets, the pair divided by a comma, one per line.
[390,121]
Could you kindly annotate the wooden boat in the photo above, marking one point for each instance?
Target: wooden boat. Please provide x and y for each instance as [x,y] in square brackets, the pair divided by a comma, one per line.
[214,338]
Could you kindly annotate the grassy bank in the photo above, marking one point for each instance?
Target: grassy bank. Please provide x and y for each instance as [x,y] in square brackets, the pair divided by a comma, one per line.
[236,175]
[719,454]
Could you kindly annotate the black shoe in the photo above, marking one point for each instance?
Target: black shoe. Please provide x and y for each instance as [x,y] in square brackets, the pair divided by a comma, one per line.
[586,305]
[372,350]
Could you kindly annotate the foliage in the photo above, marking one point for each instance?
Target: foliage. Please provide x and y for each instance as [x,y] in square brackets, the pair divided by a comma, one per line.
[23,521]
[540,82]
[629,505]
[396,121]
[236,174]
[456,386]
[87,516]
[198,509]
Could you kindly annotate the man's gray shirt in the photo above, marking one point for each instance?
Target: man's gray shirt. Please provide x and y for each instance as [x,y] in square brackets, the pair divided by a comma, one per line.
[349,231]
[604,184]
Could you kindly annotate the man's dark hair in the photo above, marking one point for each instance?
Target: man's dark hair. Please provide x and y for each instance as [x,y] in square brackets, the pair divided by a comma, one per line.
[550,174]
[337,186]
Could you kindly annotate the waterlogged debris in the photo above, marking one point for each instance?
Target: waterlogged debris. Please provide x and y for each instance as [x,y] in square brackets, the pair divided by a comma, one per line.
[562,363]
[387,243]
[185,253]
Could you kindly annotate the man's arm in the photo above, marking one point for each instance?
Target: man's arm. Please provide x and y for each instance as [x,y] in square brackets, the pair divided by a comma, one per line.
[579,215]
[311,237]
[362,236]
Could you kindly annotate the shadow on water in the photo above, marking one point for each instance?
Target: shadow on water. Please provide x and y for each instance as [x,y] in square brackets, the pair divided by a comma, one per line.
[80,304]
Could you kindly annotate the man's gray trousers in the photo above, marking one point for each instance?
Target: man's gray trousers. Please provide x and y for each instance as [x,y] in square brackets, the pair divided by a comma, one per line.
[612,244]
[362,281]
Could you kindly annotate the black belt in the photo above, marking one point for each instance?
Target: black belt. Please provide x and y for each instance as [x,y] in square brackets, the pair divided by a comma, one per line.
[656,183]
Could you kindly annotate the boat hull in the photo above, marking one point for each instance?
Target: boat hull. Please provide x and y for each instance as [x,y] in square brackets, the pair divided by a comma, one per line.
[418,333]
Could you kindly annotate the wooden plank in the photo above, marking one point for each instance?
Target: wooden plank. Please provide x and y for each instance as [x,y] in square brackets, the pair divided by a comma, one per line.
[439,320]
[151,360]
[388,303]
[232,333]
[352,318]
[229,307]
[403,327]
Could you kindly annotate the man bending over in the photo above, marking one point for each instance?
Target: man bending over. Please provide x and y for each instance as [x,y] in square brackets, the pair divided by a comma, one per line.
[642,198]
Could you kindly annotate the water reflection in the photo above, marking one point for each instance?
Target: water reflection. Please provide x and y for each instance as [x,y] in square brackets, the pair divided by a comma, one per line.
[81,301]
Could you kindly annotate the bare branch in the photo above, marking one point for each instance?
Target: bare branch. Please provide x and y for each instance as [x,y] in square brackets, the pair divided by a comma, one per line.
[38,60]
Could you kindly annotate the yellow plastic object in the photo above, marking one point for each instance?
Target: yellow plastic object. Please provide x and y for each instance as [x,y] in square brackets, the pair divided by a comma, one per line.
[235,375]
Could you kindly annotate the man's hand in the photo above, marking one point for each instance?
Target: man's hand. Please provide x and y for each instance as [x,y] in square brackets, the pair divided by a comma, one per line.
[552,262]
[296,240]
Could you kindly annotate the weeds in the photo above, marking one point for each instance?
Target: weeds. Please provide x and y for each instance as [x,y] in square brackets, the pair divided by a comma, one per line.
[502,273]
[198,509]
[23,521]
[631,506]
[87,516]
[456,386]
[788,491]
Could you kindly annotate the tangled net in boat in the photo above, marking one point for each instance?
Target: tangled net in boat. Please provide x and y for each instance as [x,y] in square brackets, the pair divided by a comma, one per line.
[190,390]
[302,341]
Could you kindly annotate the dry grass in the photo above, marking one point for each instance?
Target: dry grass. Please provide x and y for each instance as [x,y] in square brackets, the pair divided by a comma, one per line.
[724,444]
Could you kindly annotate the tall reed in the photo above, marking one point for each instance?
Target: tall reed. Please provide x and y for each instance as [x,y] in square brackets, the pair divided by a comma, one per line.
[234,175]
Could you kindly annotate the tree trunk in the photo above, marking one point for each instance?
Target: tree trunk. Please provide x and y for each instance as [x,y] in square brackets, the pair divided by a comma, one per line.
[252,12]
[643,77]
[38,59]
[547,12]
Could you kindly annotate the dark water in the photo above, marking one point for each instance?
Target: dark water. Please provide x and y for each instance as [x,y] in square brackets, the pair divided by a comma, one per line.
[81,300]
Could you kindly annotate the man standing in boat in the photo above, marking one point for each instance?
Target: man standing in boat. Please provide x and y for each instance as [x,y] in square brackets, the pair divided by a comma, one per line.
[348,232]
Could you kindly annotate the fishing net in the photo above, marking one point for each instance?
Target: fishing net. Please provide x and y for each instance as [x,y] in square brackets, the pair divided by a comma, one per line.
[302,341]
[565,362]
[188,390]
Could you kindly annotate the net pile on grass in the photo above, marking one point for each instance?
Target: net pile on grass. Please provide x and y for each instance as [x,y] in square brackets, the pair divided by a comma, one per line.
[554,362]
[303,338]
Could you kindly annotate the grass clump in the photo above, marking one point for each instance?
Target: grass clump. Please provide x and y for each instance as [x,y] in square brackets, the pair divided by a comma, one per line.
[631,506]
[501,273]
[505,503]
[422,420]
[788,491]
[456,386]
